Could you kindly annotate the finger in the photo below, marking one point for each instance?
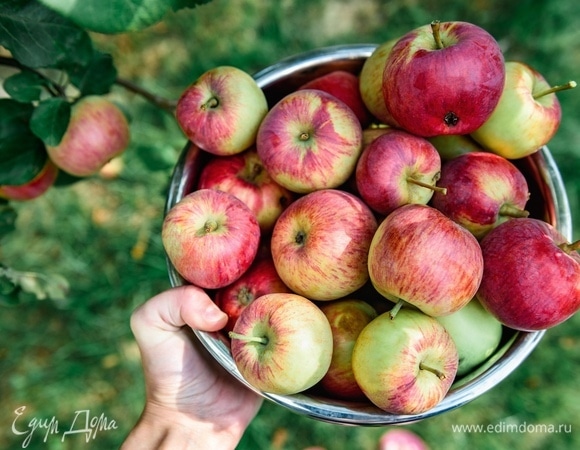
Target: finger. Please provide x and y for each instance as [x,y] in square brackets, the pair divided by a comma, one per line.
[172,309]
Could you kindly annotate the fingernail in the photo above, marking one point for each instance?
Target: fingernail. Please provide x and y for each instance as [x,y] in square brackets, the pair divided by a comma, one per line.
[214,314]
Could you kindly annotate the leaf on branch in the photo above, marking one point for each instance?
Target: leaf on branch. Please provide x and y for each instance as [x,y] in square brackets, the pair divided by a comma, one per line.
[50,120]
[112,16]
[22,154]
[181,4]
[7,219]
[42,286]
[39,37]
[25,86]
[95,78]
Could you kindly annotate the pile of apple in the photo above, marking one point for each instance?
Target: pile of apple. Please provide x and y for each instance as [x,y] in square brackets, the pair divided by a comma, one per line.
[367,233]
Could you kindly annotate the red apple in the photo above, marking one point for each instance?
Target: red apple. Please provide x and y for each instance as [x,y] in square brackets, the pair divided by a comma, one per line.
[210,237]
[97,132]
[221,111]
[405,365]
[41,182]
[344,86]
[320,244]
[244,176]
[395,169]
[527,116]
[260,279]
[309,140]
[531,277]
[347,318]
[282,343]
[483,190]
[420,256]
[371,83]
[443,78]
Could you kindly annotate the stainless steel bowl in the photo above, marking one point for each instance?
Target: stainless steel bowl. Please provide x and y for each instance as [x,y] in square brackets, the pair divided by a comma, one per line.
[548,201]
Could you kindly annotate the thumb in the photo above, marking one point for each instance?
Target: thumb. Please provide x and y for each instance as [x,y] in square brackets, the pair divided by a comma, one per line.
[170,310]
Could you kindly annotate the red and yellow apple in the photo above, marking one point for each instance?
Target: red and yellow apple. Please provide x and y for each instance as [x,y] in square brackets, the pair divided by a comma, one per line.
[97,132]
[210,237]
[309,140]
[221,111]
[320,244]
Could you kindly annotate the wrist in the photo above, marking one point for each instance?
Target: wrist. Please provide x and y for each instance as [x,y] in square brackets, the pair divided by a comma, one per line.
[161,429]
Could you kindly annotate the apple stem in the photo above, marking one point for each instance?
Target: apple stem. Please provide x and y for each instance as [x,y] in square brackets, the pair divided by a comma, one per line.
[393,312]
[568,248]
[438,373]
[209,226]
[243,337]
[253,173]
[512,211]
[210,104]
[441,190]
[561,87]
[435,25]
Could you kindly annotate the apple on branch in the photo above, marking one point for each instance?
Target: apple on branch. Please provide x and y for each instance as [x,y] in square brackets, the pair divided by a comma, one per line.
[244,176]
[347,318]
[527,116]
[210,237]
[310,140]
[282,343]
[97,132]
[531,277]
[421,257]
[483,190]
[34,188]
[405,365]
[443,78]
[395,169]
[320,244]
[221,111]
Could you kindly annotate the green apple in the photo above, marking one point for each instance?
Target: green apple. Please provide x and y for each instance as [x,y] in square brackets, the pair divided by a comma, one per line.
[405,364]
[282,343]
[371,82]
[527,115]
[451,145]
[476,334]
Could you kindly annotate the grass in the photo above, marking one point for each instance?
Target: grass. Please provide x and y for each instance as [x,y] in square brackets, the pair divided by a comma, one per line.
[102,234]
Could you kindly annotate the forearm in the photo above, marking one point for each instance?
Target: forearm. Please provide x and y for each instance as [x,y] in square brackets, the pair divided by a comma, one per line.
[161,430]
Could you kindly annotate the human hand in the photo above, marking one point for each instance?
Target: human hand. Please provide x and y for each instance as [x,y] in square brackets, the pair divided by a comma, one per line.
[191,401]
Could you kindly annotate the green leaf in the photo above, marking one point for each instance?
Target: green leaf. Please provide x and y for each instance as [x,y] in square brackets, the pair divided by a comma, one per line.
[50,120]
[180,4]
[112,16]
[7,219]
[95,78]
[64,179]
[25,86]
[22,154]
[39,37]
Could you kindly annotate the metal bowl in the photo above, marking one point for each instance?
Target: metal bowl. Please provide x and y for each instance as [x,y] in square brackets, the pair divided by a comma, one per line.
[548,201]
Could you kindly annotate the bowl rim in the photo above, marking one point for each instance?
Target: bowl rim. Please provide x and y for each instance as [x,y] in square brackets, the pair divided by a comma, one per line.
[501,364]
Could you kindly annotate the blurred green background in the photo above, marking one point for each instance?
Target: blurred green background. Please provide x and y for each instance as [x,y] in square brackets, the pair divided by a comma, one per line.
[102,234]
